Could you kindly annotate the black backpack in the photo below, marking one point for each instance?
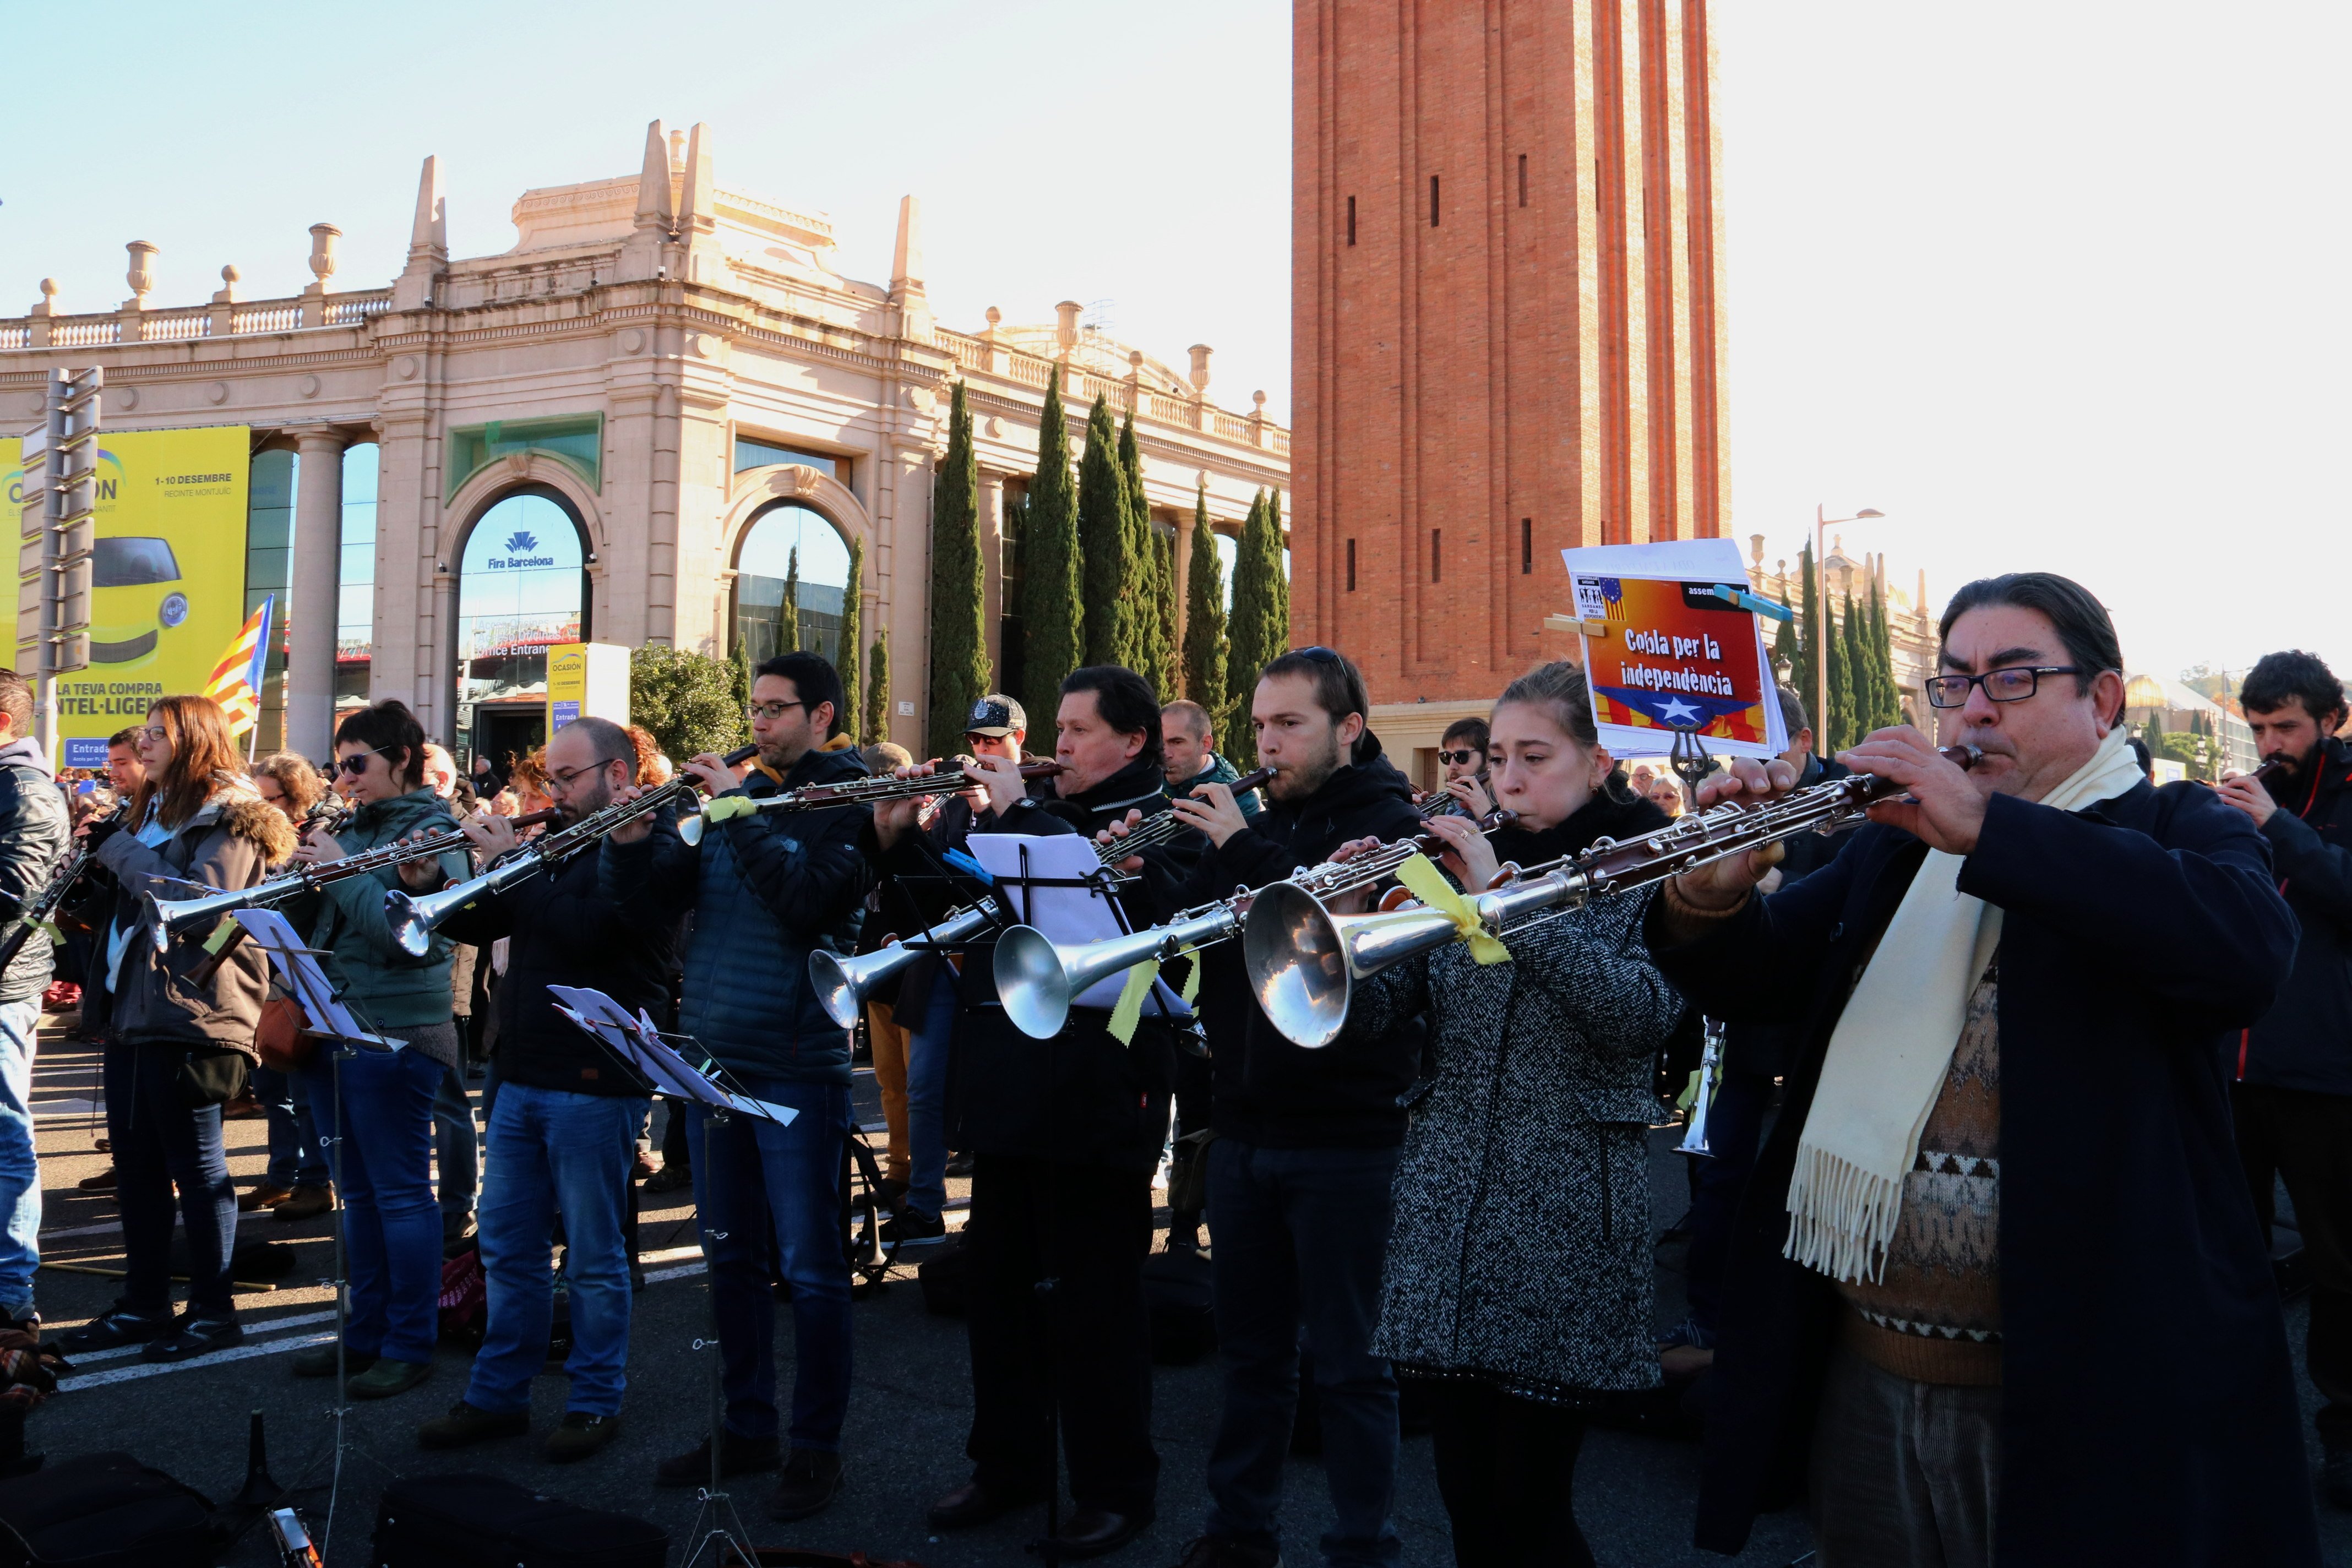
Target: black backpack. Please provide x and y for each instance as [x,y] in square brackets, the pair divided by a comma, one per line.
[482,1522]
[104,1511]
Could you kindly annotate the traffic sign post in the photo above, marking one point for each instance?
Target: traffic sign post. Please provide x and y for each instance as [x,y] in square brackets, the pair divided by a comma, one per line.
[56,535]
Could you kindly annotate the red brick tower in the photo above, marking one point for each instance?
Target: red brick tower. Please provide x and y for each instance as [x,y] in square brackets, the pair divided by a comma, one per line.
[1505,327]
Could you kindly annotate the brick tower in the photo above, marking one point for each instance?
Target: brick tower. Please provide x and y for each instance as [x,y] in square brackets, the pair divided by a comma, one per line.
[1504,329]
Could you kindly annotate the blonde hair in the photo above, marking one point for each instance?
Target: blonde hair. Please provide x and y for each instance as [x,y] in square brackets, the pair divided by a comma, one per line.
[296,778]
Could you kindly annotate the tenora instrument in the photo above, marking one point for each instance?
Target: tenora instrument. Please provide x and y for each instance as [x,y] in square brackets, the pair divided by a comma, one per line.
[1037,978]
[1304,960]
[63,878]
[863,792]
[414,918]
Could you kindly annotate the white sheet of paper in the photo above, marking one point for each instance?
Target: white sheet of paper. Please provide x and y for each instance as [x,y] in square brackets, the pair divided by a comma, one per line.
[1067,915]
[313,992]
[639,1043]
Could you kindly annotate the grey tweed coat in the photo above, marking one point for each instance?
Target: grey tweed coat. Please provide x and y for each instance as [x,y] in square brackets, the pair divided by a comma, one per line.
[1521,1251]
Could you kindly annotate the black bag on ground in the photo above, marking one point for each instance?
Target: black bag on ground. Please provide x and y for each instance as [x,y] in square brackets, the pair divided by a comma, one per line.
[104,1511]
[945,1277]
[481,1522]
[1179,1295]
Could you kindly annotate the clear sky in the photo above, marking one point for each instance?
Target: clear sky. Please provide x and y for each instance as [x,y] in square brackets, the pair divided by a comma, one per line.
[2052,284]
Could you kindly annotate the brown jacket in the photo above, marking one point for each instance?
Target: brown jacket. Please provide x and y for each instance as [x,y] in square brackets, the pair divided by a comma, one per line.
[230,844]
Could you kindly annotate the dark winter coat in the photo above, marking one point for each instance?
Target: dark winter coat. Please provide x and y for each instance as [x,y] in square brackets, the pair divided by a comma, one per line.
[2149,1408]
[346,919]
[1521,1251]
[1763,1050]
[1266,1091]
[1221,771]
[230,842]
[2305,1041]
[562,930]
[34,835]
[1080,1098]
[766,890]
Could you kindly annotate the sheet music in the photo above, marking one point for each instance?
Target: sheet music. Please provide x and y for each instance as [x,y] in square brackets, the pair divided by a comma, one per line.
[639,1044]
[1067,915]
[313,992]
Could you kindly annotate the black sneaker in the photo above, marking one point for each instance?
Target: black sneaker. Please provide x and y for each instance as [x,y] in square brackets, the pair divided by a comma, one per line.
[116,1328]
[192,1337]
[810,1482]
[911,1224]
[959,1165]
[579,1435]
[890,1193]
[2336,1476]
[737,1456]
[1216,1551]
[467,1424]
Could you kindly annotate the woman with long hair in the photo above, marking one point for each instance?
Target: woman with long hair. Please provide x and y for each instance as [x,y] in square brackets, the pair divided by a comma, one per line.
[180,1039]
[1518,1270]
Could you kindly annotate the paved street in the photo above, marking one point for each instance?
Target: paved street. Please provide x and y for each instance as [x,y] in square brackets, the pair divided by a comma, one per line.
[903,1444]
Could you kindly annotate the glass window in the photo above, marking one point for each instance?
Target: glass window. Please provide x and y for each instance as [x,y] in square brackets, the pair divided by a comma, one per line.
[131,563]
[355,603]
[520,587]
[781,536]
[578,440]
[752,452]
[268,568]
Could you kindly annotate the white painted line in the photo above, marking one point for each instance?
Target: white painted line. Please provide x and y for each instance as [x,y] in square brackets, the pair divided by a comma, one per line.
[687,1272]
[217,1358]
[302,1320]
[58,1110]
[109,1229]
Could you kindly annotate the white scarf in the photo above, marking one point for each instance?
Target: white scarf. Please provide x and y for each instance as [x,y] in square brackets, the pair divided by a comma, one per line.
[1893,1047]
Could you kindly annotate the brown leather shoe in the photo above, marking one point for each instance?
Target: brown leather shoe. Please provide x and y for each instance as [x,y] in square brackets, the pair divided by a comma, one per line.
[1096,1531]
[243,1107]
[268,1196]
[972,1504]
[102,1183]
[306,1202]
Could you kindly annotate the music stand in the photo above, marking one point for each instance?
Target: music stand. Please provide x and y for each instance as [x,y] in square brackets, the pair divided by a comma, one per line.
[329,1020]
[645,1052]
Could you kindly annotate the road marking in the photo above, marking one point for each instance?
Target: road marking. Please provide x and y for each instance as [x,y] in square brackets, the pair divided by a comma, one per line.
[302,1321]
[216,1358]
[109,1229]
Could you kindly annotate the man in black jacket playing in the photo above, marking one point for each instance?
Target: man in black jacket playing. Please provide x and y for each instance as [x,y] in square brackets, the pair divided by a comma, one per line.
[2293,1090]
[562,1126]
[1307,1141]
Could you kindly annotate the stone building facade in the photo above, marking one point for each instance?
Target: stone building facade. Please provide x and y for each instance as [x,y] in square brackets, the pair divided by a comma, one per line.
[661,363]
[1506,331]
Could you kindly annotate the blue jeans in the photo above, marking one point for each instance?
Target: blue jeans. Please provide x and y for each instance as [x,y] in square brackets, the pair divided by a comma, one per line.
[761,1191]
[927,1100]
[158,1141]
[20,1171]
[296,1159]
[381,1137]
[1300,1238]
[555,1151]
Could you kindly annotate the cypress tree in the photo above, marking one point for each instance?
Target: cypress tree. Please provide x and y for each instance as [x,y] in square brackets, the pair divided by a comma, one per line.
[1155,611]
[1882,660]
[1260,627]
[788,631]
[1785,648]
[877,687]
[844,659]
[1107,544]
[1840,719]
[1862,689]
[1277,578]
[1809,649]
[959,672]
[739,673]
[1052,617]
[1205,620]
[1163,592]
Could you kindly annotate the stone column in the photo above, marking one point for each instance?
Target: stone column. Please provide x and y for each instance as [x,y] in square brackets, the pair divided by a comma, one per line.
[1184,526]
[991,566]
[312,589]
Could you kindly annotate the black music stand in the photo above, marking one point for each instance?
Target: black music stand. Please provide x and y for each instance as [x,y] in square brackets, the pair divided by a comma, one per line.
[645,1053]
[332,1021]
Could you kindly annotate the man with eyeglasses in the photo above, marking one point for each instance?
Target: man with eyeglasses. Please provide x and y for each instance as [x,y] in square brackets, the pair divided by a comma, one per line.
[563,1121]
[766,889]
[2000,1259]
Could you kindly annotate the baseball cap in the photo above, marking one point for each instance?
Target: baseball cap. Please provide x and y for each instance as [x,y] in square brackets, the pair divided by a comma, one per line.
[995,714]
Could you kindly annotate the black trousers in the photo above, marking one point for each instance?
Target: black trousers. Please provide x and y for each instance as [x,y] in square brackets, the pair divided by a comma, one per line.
[2306,1138]
[1505,1467]
[1087,1341]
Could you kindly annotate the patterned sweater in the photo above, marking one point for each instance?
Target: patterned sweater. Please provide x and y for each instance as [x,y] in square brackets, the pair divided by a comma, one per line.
[1934,1316]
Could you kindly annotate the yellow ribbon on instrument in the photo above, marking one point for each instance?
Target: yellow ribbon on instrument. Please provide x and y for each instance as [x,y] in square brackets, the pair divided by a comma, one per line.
[1424,882]
[1129,1012]
[727,808]
[222,934]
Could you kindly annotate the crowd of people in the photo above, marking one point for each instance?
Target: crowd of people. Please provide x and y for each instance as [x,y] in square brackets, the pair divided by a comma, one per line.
[1979,1269]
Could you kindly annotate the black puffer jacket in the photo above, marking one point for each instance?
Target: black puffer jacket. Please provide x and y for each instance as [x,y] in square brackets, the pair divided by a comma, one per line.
[2305,1041]
[1266,1091]
[33,833]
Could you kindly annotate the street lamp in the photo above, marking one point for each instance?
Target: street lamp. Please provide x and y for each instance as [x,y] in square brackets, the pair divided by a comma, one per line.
[1821,524]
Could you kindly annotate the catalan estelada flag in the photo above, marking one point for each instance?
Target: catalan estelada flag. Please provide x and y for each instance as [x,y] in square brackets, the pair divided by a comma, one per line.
[236,684]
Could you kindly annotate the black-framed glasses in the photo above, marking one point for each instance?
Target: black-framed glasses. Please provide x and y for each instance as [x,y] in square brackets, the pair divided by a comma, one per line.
[2000,685]
[771,711]
[1458,759]
[356,763]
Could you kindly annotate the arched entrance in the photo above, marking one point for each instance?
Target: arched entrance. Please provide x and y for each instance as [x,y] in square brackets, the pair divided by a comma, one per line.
[764,561]
[522,587]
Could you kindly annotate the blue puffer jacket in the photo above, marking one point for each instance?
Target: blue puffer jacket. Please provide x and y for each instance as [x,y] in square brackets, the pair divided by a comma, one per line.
[766,890]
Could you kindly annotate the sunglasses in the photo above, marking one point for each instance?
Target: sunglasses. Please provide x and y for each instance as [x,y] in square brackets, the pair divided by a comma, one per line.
[356,763]
[1457,758]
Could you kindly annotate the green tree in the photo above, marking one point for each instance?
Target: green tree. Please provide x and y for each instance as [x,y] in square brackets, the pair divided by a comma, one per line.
[739,667]
[1809,648]
[686,700]
[1107,544]
[1052,617]
[787,629]
[1881,661]
[1785,646]
[1205,620]
[845,658]
[1861,685]
[1156,615]
[1841,716]
[1260,626]
[877,688]
[1170,678]
[959,672]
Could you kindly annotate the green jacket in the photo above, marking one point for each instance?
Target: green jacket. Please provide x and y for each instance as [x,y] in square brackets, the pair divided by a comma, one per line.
[369,970]
[1219,771]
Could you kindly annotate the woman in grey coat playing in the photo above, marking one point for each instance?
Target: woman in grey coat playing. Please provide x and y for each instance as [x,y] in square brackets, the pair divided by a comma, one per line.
[1518,1273]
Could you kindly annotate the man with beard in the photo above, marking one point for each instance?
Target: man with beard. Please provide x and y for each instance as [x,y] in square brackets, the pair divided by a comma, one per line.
[562,1126]
[767,888]
[2293,1093]
[1065,1134]
[1307,1141]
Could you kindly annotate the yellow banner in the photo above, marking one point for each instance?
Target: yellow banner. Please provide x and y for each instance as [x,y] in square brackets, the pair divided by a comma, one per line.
[167,582]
